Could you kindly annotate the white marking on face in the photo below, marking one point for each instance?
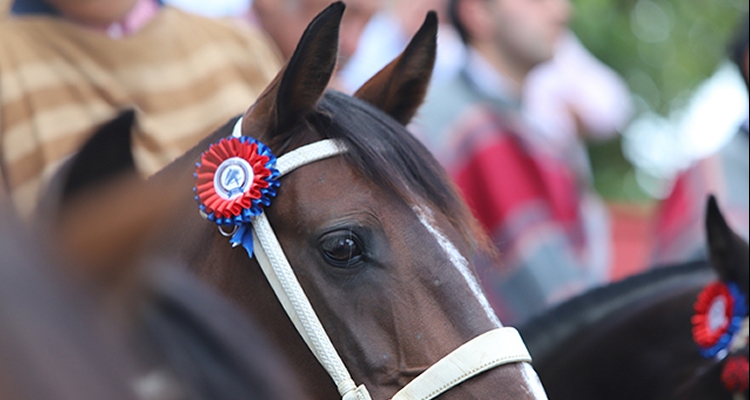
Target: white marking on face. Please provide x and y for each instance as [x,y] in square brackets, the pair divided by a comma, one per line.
[533,383]
[459,261]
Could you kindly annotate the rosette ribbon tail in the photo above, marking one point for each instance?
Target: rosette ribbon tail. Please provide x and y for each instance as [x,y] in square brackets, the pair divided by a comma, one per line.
[244,237]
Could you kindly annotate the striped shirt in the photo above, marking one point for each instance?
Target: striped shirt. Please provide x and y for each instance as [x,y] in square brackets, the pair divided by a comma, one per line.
[184,75]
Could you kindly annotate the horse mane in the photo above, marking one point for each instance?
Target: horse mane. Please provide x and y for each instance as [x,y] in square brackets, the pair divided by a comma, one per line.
[545,333]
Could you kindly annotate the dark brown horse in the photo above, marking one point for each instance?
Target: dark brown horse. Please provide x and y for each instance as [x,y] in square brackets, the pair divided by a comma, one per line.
[632,340]
[377,236]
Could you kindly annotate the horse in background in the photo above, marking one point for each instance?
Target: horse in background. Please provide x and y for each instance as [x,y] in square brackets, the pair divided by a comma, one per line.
[83,315]
[377,236]
[632,339]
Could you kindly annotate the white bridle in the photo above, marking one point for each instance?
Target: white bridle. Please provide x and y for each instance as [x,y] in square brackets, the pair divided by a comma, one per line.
[474,357]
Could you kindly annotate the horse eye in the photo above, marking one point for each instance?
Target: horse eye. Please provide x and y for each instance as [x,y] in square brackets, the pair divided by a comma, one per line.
[341,250]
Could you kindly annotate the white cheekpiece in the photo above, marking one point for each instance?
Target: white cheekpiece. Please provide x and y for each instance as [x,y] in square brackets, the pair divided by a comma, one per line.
[486,351]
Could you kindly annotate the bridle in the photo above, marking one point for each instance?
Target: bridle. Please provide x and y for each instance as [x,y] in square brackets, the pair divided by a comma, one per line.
[478,355]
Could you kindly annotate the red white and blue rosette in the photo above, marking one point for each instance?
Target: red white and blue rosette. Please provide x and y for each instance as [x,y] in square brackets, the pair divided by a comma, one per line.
[234,180]
[719,311]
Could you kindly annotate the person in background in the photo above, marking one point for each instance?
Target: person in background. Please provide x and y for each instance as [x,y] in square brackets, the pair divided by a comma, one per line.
[286,20]
[679,228]
[388,33]
[553,242]
[68,66]
[574,98]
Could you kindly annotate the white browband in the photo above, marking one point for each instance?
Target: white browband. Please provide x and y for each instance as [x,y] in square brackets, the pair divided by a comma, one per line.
[487,351]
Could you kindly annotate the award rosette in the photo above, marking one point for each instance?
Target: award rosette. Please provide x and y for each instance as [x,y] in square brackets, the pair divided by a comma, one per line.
[719,311]
[234,180]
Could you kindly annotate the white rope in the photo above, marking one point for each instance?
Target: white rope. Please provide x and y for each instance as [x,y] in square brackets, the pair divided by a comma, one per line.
[307,154]
[280,275]
[303,155]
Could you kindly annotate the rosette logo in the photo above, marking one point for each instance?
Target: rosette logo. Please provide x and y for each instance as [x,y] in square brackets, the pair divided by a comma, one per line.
[719,311]
[235,179]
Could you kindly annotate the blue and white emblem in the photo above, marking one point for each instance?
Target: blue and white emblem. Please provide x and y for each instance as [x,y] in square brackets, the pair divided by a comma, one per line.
[233,178]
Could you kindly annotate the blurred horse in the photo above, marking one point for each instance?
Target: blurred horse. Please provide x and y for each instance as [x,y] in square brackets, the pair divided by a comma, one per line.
[374,234]
[82,316]
[632,339]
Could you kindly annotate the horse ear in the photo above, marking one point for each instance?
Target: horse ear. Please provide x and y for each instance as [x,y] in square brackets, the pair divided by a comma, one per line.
[730,255]
[299,85]
[400,88]
[105,155]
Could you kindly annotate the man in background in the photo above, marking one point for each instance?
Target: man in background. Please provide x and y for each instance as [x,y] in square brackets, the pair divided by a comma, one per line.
[550,231]
[388,33]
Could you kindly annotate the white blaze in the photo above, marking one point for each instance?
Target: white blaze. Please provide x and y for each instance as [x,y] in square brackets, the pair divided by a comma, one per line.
[458,261]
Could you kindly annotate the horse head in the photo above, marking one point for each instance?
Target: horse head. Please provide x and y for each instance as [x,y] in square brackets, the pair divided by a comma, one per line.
[720,326]
[374,233]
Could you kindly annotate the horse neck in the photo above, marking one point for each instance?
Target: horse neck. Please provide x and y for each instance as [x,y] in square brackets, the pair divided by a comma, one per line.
[549,332]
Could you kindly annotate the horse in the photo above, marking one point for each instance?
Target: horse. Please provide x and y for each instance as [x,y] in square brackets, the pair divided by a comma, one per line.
[369,229]
[635,339]
[83,316]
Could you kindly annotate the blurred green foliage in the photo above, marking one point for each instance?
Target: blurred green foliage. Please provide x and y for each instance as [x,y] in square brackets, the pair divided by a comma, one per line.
[663,49]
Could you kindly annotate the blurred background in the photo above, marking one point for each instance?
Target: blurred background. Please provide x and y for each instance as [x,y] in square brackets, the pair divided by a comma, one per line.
[689,100]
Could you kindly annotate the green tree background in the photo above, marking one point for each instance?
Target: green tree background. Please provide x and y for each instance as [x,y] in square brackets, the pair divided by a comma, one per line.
[663,49]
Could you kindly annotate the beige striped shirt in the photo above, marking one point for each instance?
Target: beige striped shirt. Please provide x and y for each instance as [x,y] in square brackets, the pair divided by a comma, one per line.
[185,75]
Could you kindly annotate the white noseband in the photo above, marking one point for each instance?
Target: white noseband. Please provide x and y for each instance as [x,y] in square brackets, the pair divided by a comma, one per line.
[489,350]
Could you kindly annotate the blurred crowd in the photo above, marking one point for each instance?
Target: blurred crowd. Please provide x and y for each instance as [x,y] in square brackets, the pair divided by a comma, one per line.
[514,100]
